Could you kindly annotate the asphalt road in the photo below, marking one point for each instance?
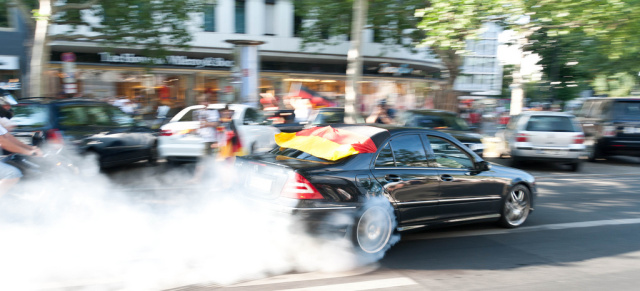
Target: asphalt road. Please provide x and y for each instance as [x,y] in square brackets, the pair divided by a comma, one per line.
[583,235]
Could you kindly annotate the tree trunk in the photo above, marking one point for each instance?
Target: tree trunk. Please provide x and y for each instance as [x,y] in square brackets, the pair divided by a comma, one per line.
[354,59]
[39,51]
[448,97]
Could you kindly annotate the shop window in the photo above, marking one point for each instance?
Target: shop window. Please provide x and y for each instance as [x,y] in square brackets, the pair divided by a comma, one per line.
[240,16]
[210,17]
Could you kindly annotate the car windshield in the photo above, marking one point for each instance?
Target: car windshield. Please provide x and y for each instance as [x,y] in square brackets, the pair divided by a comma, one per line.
[451,122]
[627,110]
[30,115]
[551,124]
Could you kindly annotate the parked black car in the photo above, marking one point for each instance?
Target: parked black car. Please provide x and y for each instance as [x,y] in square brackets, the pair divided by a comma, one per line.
[611,126]
[90,127]
[424,177]
[444,121]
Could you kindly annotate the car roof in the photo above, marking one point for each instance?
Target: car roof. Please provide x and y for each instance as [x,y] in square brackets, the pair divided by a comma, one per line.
[546,113]
[380,132]
[336,109]
[431,111]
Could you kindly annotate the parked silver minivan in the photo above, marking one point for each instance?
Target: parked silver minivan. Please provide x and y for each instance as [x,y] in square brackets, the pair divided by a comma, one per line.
[544,136]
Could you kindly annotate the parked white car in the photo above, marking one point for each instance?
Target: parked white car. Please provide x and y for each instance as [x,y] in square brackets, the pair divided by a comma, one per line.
[544,136]
[179,139]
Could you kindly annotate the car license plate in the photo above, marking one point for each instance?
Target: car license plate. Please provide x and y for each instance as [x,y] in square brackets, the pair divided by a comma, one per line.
[260,183]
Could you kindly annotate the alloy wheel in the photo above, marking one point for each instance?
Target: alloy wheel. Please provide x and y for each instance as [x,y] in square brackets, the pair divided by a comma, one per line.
[373,229]
[516,207]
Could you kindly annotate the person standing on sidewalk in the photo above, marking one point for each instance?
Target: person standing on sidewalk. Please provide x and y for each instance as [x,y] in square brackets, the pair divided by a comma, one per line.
[209,119]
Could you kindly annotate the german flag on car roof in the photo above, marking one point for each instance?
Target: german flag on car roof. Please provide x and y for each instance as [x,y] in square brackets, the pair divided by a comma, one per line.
[327,142]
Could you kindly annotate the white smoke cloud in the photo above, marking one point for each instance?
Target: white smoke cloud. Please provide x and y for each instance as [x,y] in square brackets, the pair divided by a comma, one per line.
[85,232]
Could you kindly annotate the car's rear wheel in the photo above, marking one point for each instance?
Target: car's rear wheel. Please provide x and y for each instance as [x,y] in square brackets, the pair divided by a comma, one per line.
[373,229]
[516,207]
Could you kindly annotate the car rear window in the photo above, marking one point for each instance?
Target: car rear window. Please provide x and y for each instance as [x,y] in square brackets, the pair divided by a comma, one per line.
[439,122]
[551,124]
[627,110]
[298,154]
[329,117]
[30,115]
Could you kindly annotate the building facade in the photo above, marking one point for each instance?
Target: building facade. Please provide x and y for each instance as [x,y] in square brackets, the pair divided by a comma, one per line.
[14,60]
[482,71]
[402,77]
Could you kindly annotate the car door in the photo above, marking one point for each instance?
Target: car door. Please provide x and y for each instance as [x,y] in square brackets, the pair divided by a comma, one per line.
[464,191]
[137,139]
[402,168]
[254,134]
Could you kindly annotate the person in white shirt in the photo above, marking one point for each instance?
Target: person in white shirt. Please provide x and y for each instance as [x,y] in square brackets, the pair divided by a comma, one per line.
[10,175]
[209,121]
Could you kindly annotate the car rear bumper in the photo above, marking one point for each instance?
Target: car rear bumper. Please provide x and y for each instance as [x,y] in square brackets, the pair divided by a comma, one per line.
[548,154]
[192,150]
[627,147]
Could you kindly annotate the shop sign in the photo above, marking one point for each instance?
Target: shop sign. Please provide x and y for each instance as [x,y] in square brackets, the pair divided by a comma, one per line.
[168,60]
[9,63]
[386,68]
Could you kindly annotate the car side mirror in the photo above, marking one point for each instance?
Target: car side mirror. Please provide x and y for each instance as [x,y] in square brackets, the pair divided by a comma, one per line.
[482,166]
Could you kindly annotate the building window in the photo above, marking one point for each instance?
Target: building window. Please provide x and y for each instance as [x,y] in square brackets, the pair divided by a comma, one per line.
[4,15]
[210,17]
[269,17]
[240,15]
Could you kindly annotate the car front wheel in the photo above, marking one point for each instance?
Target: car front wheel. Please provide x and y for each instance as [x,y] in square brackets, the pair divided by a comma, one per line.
[516,207]
[373,229]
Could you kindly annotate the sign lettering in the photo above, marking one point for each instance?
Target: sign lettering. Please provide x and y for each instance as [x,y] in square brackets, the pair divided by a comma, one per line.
[168,60]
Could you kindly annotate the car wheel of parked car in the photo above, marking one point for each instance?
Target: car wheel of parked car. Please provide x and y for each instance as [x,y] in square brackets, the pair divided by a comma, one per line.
[153,155]
[373,229]
[90,165]
[516,207]
[594,153]
[575,167]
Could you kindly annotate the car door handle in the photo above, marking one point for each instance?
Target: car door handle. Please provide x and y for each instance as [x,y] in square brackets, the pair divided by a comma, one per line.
[393,178]
[446,178]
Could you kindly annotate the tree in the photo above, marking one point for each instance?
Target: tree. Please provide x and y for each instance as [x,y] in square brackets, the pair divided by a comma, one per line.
[152,26]
[392,22]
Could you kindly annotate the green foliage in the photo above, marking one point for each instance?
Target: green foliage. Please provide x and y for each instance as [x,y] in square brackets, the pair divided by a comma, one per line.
[617,85]
[151,25]
[392,22]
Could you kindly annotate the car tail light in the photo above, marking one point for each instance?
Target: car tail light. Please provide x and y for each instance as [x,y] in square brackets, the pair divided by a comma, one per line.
[609,131]
[166,132]
[298,187]
[54,136]
[579,139]
[521,137]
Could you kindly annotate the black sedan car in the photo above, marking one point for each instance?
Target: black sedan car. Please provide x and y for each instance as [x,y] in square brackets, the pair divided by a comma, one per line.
[396,179]
[92,128]
[445,121]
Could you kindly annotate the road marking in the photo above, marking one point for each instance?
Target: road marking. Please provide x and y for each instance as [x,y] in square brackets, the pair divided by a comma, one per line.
[309,276]
[364,285]
[557,226]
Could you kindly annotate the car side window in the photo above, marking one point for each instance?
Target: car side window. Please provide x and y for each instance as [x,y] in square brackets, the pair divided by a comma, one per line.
[121,119]
[385,158]
[448,155]
[409,151]
[73,116]
[97,115]
[252,116]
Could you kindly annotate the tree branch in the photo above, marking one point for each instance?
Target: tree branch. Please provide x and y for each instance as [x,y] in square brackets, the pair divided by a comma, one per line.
[78,6]
[76,37]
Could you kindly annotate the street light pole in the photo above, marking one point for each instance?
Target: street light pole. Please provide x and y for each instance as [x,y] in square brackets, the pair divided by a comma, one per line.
[246,70]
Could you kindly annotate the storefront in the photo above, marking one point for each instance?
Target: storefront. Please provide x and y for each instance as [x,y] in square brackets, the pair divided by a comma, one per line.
[183,79]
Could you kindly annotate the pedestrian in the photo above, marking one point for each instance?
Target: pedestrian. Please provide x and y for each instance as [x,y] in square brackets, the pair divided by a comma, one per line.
[230,144]
[382,114]
[209,120]
[6,100]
